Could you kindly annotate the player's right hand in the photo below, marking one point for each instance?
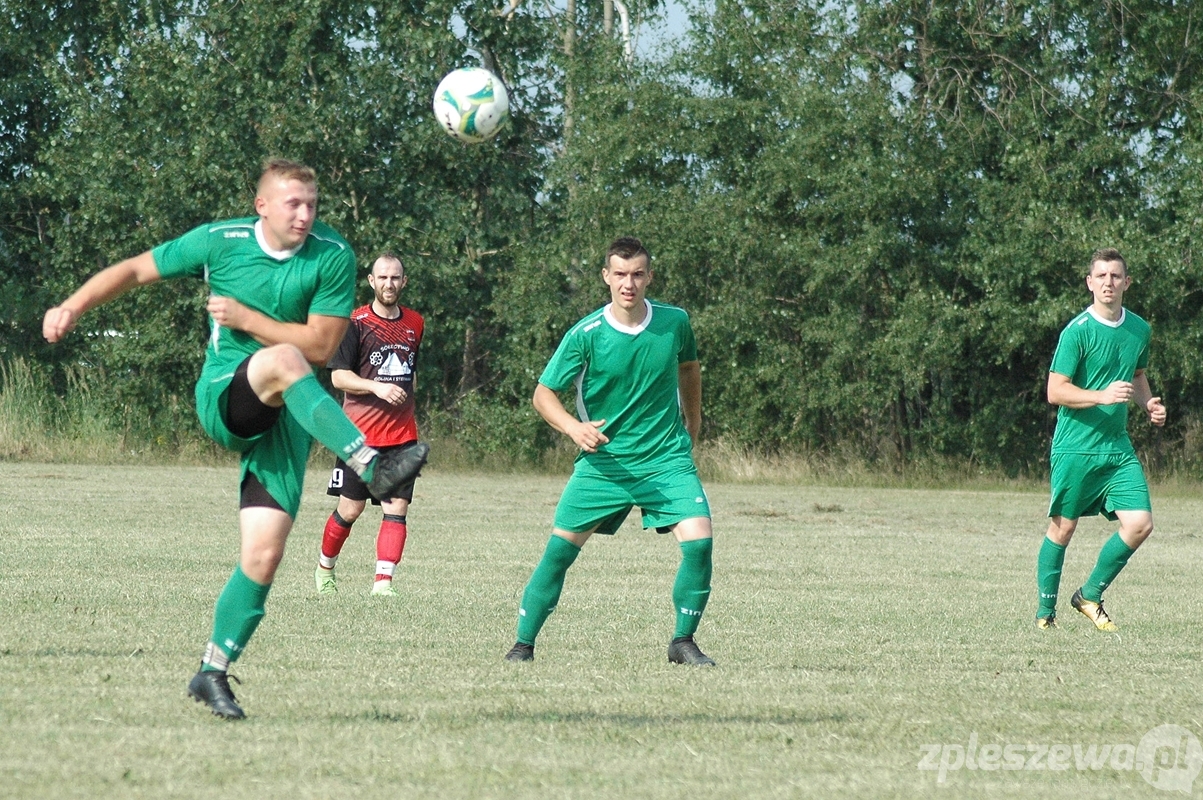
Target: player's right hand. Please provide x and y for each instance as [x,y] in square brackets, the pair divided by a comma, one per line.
[57,323]
[1116,392]
[587,435]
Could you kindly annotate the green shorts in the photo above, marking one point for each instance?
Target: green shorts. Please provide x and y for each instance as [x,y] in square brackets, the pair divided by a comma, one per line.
[277,457]
[594,502]
[1086,484]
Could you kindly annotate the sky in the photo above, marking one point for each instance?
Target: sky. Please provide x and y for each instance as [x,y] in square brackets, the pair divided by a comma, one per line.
[648,37]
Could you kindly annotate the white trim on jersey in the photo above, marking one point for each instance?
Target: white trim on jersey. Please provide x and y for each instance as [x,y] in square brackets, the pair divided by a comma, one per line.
[228,225]
[618,326]
[1123,312]
[214,328]
[278,255]
[582,413]
[334,242]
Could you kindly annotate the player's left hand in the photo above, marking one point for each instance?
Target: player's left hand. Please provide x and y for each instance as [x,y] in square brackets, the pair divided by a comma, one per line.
[227,312]
[390,393]
[1156,411]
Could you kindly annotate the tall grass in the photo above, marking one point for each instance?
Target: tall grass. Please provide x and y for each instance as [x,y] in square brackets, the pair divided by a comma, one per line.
[82,425]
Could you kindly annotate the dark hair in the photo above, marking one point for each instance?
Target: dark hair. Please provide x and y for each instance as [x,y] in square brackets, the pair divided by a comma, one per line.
[1106,254]
[626,247]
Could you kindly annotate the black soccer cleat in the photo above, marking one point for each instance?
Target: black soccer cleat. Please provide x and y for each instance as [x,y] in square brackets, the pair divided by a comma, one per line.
[683,650]
[213,689]
[521,652]
[395,468]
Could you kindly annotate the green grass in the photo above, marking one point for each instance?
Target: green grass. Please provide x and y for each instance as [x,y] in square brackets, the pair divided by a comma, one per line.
[851,626]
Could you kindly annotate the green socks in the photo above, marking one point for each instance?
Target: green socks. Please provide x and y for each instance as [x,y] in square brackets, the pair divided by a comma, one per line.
[322,417]
[1112,558]
[691,589]
[238,611]
[543,589]
[1048,576]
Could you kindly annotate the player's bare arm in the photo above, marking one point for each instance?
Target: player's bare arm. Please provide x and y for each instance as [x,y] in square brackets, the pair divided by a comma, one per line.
[102,287]
[317,338]
[1062,392]
[351,383]
[587,435]
[689,383]
[1144,398]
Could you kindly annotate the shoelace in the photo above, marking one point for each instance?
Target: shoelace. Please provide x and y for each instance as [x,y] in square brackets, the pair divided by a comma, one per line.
[224,679]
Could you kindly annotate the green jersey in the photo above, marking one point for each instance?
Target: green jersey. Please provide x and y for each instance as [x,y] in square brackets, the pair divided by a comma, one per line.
[627,376]
[1093,353]
[288,286]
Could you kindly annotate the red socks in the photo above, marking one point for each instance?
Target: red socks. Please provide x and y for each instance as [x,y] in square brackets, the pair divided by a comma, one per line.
[390,543]
[333,537]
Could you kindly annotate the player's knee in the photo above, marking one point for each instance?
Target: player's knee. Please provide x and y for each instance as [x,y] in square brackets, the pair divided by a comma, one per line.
[284,361]
[265,558]
[1061,530]
[1135,529]
[350,510]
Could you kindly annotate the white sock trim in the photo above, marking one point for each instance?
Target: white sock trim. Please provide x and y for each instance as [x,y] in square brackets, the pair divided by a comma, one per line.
[360,459]
[215,657]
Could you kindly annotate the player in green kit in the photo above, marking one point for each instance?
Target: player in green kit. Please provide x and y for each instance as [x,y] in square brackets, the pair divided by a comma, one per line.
[634,366]
[282,286]
[1098,368]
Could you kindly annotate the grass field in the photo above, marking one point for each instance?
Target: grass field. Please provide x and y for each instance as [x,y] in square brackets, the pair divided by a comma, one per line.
[851,627]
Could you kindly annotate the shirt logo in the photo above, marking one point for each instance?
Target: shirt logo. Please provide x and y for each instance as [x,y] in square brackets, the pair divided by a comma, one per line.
[237,234]
[393,366]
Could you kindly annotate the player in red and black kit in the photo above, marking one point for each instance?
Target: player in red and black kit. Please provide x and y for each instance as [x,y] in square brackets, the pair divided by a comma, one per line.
[374,366]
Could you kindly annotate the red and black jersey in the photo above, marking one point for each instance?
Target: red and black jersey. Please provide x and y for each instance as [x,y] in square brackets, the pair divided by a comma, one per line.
[384,350]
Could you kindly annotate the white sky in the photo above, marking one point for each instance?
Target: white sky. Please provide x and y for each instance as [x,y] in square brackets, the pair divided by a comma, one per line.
[648,37]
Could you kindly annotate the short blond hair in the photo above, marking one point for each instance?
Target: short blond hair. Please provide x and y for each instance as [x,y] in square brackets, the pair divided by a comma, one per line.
[286,169]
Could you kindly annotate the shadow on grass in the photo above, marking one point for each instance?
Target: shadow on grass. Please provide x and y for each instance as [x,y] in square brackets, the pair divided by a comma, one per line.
[770,717]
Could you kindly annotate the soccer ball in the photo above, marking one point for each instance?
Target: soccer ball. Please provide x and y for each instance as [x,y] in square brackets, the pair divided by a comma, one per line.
[471,104]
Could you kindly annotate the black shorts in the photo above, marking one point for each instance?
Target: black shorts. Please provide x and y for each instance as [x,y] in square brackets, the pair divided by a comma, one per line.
[345,482]
[247,416]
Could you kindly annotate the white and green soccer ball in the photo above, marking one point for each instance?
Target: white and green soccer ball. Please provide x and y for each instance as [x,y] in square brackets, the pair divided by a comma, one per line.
[471,104]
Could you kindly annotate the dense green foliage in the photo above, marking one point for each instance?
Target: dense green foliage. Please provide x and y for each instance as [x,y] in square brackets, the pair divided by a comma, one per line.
[877,212]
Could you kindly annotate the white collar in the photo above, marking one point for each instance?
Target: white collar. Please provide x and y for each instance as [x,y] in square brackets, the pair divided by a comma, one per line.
[608,312]
[1123,312]
[278,255]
